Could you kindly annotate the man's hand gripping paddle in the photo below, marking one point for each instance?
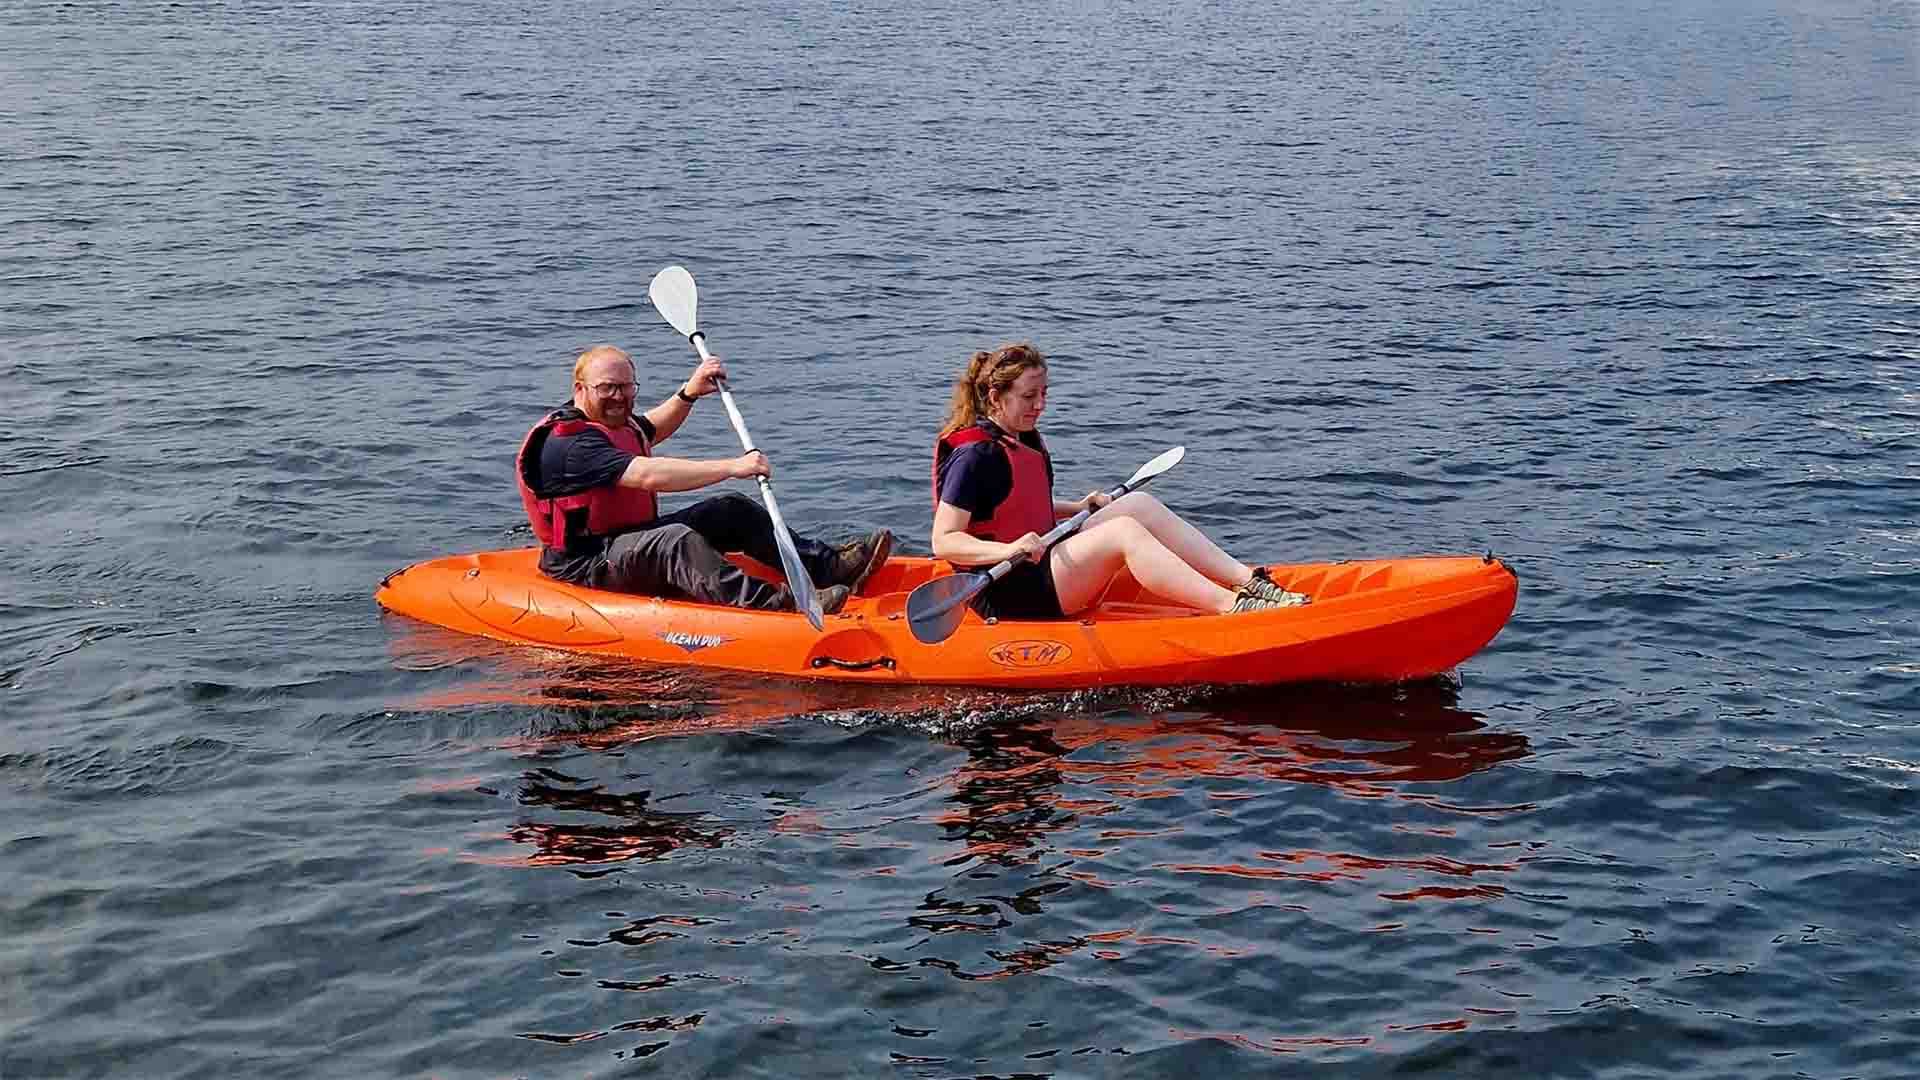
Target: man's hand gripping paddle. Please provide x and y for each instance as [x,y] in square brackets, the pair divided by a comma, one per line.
[675,297]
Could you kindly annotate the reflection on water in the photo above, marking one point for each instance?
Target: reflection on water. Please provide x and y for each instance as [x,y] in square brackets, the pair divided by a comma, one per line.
[631,830]
[1064,804]
[602,704]
[1363,743]
[1036,766]
[1085,832]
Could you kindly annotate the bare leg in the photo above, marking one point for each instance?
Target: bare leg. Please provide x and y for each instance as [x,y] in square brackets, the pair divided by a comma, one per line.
[1185,542]
[1085,562]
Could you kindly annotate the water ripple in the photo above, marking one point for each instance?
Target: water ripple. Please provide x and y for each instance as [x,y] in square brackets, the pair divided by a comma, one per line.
[1627,299]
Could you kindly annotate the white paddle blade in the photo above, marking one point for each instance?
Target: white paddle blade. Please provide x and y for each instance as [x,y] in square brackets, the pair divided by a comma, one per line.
[1157,466]
[675,298]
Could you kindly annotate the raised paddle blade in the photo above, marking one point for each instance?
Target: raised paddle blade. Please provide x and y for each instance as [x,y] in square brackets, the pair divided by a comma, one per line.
[676,299]
[1157,466]
[674,296]
[935,610]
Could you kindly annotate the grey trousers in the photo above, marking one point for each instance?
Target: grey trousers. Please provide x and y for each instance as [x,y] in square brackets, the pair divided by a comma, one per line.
[680,555]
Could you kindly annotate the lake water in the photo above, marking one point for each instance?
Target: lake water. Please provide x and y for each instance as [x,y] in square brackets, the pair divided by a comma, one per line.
[1627,293]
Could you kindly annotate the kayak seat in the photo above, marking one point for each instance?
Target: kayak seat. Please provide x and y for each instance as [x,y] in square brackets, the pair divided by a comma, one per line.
[899,576]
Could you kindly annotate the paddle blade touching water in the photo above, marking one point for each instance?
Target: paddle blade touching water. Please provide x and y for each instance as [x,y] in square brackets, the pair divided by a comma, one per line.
[936,609]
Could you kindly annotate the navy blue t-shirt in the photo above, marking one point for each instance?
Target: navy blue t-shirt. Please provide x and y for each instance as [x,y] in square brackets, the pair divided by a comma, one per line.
[978,477]
[568,465]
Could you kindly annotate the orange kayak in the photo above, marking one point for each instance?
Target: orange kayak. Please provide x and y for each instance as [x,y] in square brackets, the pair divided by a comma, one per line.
[1384,620]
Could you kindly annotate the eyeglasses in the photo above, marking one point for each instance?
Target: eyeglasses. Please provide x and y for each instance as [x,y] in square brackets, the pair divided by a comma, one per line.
[608,389]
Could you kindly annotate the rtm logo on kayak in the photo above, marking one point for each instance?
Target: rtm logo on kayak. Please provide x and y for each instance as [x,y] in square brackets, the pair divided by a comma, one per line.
[693,643]
[1029,653]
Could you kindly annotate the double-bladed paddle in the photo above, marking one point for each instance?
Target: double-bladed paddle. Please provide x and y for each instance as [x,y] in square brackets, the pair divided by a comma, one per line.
[675,297]
[934,610]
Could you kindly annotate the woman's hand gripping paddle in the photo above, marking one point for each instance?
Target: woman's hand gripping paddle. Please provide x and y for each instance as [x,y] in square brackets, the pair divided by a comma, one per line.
[934,610]
[675,297]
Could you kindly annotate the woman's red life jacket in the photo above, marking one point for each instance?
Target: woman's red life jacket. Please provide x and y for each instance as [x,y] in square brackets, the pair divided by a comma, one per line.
[1028,508]
[609,507]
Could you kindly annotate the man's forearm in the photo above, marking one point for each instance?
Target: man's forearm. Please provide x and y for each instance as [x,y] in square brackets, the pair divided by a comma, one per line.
[667,416]
[674,474]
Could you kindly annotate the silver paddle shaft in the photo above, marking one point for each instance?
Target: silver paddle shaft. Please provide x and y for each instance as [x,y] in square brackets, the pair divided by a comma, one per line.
[933,609]
[1057,533]
[797,580]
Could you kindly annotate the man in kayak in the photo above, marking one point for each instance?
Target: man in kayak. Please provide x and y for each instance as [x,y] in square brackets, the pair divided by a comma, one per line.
[993,497]
[590,481]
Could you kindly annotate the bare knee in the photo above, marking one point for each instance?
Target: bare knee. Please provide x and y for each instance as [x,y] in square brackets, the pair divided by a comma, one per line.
[1113,540]
[1129,532]
[1104,545]
[1134,505]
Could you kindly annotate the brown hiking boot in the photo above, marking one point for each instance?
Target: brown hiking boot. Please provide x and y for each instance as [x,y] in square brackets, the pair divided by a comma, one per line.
[854,562]
[832,598]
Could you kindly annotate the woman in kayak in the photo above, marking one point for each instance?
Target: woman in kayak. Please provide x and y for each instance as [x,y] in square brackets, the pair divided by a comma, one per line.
[993,497]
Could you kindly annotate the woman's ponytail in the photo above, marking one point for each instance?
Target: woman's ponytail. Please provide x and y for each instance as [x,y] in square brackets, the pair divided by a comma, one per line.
[986,373]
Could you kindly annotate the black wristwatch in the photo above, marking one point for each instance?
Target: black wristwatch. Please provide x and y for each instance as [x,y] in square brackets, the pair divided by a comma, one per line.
[682,395]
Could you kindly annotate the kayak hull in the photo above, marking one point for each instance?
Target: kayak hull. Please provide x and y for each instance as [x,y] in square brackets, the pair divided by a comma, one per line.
[1386,620]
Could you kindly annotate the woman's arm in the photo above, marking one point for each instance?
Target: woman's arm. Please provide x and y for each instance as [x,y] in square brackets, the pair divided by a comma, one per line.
[952,542]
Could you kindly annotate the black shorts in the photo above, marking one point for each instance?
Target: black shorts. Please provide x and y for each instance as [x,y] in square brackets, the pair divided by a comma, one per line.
[1026,594]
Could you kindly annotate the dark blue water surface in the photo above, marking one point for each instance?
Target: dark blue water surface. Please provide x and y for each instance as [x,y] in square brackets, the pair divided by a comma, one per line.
[1628,293]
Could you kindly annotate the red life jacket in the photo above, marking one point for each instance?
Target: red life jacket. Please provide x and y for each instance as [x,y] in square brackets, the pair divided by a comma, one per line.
[1028,508]
[609,507]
